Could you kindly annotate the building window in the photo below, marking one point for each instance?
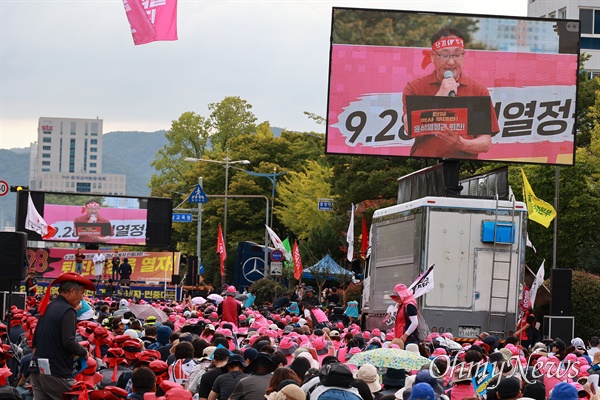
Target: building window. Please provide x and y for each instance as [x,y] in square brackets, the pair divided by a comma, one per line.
[590,21]
[93,141]
[92,164]
[45,155]
[84,187]
[47,140]
[93,157]
[47,148]
[562,13]
[93,149]
[92,172]
[45,162]
[73,127]
[45,169]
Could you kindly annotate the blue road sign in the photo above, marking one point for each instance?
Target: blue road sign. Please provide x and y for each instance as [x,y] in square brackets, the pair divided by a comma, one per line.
[325,204]
[178,217]
[198,196]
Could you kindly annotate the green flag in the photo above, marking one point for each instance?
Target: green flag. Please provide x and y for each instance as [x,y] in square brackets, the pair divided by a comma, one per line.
[286,245]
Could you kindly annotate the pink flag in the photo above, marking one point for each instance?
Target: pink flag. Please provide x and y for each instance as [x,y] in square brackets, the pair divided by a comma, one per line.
[152,20]
[221,249]
[297,261]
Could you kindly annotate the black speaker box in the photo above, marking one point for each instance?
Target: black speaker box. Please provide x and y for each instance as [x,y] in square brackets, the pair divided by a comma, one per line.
[191,278]
[175,279]
[560,296]
[13,248]
[11,299]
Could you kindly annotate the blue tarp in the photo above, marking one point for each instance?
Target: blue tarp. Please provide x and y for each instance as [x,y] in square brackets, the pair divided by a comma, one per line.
[329,266]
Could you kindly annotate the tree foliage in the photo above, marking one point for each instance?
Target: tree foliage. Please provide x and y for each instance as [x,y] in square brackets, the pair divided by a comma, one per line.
[383,28]
[229,118]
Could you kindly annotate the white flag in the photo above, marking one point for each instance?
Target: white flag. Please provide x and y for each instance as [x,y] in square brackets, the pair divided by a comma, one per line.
[528,242]
[537,283]
[350,236]
[423,284]
[35,222]
[278,244]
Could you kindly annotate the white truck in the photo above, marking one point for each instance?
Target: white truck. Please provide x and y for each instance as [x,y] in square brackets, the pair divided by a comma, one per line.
[478,248]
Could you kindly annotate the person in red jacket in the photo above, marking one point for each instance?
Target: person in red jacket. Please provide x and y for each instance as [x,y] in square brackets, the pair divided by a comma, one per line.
[406,319]
[229,309]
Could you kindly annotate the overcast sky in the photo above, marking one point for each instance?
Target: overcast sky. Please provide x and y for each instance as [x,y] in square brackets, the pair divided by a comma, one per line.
[76,58]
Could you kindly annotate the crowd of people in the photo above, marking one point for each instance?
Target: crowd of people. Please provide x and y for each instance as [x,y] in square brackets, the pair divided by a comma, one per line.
[294,349]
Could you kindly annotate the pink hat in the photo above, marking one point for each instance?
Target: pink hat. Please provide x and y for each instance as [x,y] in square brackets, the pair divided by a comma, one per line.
[214,315]
[277,317]
[242,317]
[355,332]
[439,352]
[231,289]
[583,371]
[287,345]
[570,357]
[448,335]
[319,343]
[435,335]
[366,335]
[393,346]
[389,336]
[172,318]
[353,351]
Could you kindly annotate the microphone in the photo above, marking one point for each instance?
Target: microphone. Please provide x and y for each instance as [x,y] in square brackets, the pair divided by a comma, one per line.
[448,75]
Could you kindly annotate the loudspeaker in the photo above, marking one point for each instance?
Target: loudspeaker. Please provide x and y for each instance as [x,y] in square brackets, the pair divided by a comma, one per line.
[175,279]
[559,327]
[13,247]
[560,296]
[191,278]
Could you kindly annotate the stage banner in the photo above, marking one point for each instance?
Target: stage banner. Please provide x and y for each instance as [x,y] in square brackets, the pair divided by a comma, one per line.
[146,292]
[147,266]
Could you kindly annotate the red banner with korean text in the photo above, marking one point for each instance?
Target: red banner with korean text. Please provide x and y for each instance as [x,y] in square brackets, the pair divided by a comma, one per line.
[147,266]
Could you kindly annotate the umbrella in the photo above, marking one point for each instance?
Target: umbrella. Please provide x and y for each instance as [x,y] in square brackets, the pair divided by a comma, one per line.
[215,297]
[448,343]
[143,311]
[198,300]
[389,358]
[241,297]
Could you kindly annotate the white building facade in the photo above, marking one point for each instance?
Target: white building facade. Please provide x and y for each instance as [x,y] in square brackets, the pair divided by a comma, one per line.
[68,158]
[588,14]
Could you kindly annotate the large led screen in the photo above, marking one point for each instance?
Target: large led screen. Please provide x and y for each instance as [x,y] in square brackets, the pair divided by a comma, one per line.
[102,219]
[454,86]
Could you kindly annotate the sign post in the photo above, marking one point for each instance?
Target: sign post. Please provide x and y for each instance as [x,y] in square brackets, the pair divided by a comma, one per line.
[3,188]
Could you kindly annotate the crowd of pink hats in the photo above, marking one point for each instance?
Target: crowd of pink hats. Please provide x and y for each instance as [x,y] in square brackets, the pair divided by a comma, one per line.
[112,350]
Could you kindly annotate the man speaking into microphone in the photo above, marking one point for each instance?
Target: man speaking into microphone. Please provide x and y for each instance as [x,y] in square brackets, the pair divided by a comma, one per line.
[447,55]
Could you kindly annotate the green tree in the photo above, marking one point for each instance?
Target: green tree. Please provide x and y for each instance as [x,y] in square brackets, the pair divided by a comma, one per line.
[230,118]
[298,194]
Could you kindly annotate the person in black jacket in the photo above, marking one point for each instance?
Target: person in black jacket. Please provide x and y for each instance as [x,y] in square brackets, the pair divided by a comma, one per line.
[125,271]
[52,368]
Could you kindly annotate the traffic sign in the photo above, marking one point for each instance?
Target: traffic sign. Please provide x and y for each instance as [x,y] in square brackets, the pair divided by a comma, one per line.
[276,255]
[325,204]
[3,188]
[198,196]
[276,268]
[179,217]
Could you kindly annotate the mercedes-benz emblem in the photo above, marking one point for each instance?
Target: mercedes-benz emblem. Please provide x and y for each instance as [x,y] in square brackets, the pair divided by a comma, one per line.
[251,270]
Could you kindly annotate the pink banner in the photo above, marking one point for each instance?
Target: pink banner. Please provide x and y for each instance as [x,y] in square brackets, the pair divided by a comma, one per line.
[533,95]
[152,20]
[147,266]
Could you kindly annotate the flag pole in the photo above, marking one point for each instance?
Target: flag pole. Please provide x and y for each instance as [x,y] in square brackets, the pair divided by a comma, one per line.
[556,194]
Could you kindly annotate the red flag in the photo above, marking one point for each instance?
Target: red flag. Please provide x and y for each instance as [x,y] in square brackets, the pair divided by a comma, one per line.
[365,238]
[297,261]
[221,249]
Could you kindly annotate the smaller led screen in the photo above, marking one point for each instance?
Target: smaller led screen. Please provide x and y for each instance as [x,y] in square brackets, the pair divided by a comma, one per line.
[96,218]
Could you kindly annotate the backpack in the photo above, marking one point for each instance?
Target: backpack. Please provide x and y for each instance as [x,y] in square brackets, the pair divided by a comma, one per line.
[423,328]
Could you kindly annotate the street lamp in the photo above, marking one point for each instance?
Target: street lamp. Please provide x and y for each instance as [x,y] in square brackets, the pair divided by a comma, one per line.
[227,162]
[273,178]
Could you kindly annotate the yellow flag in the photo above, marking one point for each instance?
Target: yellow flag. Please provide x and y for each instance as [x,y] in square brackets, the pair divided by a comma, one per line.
[539,211]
